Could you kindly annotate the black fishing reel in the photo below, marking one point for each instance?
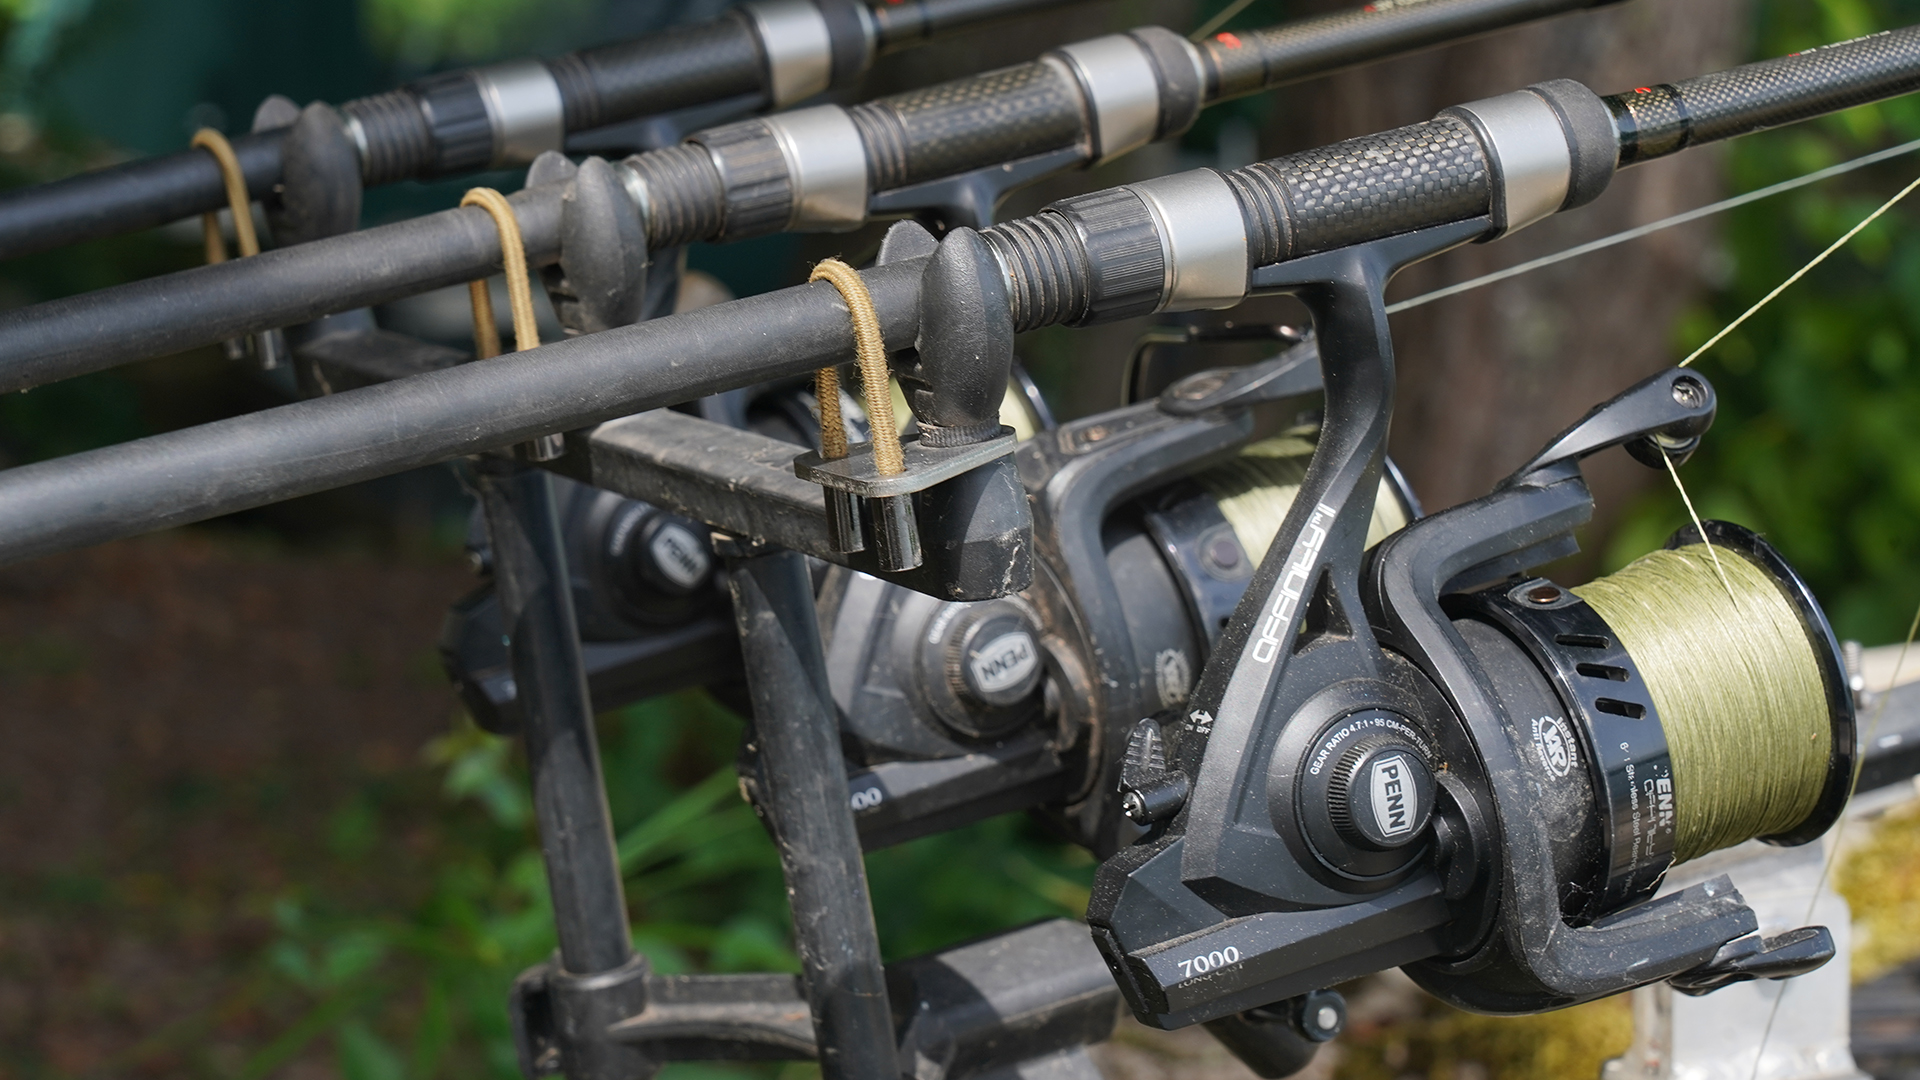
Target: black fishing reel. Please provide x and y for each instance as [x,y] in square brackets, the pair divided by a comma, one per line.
[956,711]
[650,613]
[1421,755]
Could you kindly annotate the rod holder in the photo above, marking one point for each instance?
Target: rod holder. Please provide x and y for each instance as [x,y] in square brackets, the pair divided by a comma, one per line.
[896,535]
[845,530]
[859,496]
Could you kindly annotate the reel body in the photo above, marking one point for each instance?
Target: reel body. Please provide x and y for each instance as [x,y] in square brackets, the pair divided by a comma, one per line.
[952,712]
[956,711]
[649,611]
[1419,756]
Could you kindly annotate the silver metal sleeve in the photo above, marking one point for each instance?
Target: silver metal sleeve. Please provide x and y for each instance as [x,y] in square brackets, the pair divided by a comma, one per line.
[636,188]
[524,110]
[1528,150]
[827,163]
[1123,94]
[798,47]
[1203,238]
[358,133]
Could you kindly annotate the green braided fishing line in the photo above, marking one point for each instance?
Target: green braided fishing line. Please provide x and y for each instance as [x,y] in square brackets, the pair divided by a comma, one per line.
[1738,688]
[1256,488]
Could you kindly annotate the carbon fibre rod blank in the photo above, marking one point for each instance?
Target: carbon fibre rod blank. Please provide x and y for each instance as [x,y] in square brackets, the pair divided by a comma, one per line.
[1655,121]
[1242,62]
[1514,159]
[505,114]
[1552,147]
[814,168]
[202,472]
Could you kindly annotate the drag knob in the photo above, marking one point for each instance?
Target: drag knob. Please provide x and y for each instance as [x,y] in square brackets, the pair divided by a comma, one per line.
[987,666]
[991,655]
[1381,794]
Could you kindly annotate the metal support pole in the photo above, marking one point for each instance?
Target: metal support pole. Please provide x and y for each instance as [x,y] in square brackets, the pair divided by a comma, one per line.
[599,978]
[804,783]
[570,802]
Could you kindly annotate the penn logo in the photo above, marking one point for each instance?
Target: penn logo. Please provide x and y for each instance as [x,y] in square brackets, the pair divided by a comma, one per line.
[1396,805]
[680,556]
[1002,663]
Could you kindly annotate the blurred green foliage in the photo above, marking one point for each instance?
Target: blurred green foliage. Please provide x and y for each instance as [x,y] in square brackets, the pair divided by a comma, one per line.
[1818,439]
[421,33]
[420,992]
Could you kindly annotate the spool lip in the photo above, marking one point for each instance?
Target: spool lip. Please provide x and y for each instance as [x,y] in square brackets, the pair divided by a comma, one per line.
[1833,671]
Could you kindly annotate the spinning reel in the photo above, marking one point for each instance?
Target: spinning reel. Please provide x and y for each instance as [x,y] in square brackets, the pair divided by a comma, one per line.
[1420,756]
[953,711]
[1459,768]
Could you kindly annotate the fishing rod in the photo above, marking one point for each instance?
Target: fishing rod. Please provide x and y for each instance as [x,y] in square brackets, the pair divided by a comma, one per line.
[1202,239]
[953,149]
[764,54]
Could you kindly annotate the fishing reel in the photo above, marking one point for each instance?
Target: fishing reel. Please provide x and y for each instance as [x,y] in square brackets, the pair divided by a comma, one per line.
[1422,756]
[650,613]
[956,711]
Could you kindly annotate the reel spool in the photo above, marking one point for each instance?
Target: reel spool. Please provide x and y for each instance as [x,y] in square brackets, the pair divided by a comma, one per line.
[1256,488]
[1667,713]
[1212,529]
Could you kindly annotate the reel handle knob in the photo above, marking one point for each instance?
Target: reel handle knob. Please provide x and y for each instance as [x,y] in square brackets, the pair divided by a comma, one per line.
[1381,794]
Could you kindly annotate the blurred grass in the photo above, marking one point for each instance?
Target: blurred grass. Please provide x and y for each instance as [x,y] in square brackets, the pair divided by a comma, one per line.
[419,992]
[1881,881]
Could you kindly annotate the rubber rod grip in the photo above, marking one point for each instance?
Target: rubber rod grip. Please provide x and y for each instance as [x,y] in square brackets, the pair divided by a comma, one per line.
[969,123]
[1363,189]
[673,69]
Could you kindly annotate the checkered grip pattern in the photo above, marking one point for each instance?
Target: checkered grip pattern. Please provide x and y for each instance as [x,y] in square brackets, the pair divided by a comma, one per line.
[967,124]
[1363,189]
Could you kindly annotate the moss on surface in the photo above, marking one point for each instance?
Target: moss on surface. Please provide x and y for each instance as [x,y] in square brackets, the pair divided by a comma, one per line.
[1443,1043]
[1881,880]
